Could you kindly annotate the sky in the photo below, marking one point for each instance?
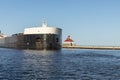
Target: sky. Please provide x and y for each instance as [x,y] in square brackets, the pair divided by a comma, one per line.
[89,22]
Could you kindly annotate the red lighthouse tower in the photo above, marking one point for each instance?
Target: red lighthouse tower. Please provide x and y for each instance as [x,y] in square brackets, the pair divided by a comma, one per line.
[69,42]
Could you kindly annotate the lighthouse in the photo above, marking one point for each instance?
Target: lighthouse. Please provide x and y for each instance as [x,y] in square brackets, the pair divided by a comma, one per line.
[68,42]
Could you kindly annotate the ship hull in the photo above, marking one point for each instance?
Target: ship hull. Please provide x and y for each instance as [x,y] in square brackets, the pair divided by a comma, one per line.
[32,41]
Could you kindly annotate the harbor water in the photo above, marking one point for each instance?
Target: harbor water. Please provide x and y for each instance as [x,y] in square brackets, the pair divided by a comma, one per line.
[66,64]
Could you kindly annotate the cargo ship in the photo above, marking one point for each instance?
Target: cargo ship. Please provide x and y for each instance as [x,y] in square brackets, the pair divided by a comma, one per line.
[39,38]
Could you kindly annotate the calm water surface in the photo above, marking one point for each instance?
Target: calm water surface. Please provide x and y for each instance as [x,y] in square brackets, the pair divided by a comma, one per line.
[67,64]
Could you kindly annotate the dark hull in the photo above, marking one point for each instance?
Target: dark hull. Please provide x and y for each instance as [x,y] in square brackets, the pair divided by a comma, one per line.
[33,41]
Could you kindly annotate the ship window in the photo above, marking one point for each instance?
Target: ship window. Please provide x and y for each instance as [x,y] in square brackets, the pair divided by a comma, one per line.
[57,40]
[38,39]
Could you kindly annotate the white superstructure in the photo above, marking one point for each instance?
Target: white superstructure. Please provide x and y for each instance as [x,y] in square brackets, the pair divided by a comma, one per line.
[42,30]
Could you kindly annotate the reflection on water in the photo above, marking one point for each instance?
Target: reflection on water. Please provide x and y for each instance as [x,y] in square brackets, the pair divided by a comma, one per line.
[67,64]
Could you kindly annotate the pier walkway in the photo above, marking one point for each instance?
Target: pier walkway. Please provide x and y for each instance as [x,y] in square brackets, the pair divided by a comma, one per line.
[94,47]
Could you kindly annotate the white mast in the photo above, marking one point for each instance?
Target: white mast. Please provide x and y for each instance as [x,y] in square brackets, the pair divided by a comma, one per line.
[44,24]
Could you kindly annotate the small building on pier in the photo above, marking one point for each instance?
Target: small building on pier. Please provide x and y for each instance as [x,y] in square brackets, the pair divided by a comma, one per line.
[68,42]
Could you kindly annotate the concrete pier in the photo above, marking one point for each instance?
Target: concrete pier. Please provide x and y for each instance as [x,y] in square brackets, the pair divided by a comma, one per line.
[94,47]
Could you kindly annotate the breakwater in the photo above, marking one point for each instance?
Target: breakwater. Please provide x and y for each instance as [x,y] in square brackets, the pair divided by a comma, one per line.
[94,47]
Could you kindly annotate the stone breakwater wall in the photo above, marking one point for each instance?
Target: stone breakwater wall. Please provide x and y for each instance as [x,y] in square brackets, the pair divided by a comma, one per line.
[94,47]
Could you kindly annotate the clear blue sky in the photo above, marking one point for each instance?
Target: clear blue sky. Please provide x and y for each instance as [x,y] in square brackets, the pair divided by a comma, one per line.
[89,22]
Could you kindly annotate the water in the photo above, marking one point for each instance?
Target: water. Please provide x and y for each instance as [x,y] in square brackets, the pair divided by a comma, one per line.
[67,64]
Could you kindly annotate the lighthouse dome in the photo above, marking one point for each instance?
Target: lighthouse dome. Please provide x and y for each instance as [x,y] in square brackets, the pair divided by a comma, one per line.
[68,39]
